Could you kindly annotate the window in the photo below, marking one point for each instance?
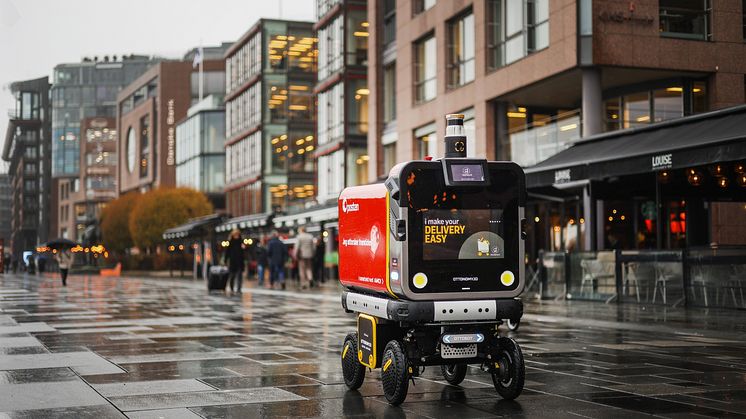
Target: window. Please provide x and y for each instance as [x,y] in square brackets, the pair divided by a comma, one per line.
[244,112]
[425,69]
[144,144]
[357,107]
[100,134]
[389,22]
[685,19]
[100,182]
[244,63]
[515,29]
[101,158]
[389,157]
[357,38]
[131,149]
[389,93]
[331,114]
[425,141]
[29,169]
[667,102]
[243,159]
[331,175]
[422,5]
[323,7]
[331,46]
[461,50]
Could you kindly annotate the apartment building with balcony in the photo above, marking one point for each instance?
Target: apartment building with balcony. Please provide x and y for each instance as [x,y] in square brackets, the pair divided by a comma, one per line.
[27,149]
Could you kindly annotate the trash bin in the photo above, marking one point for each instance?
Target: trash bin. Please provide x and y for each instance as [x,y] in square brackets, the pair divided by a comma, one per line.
[217,278]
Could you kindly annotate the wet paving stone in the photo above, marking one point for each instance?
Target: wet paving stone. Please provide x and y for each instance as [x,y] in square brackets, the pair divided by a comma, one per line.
[151,348]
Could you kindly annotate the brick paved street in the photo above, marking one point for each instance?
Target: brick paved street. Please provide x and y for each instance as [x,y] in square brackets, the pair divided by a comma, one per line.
[146,348]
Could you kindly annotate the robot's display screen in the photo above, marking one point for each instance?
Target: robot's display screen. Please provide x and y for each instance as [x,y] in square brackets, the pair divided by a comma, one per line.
[467,173]
[462,234]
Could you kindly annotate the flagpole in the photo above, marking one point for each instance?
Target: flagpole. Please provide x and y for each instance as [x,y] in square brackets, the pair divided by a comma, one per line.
[201,71]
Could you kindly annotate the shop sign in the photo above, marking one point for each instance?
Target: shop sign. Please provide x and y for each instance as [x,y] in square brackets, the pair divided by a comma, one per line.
[562,176]
[171,137]
[662,161]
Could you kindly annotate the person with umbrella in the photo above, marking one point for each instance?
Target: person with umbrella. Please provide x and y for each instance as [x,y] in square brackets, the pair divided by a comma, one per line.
[63,255]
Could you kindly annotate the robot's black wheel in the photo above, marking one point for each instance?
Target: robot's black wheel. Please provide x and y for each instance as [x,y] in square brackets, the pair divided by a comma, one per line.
[513,324]
[454,373]
[352,370]
[508,369]
[395,373]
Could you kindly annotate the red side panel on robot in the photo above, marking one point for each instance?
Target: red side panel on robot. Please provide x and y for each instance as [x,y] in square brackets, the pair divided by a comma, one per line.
[363,237]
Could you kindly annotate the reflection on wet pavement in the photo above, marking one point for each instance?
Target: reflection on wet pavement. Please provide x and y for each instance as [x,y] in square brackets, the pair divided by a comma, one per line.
[147,348]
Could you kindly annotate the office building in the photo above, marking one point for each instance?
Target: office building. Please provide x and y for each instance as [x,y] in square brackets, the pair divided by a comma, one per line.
[27,149]
[534,77]
[148,110]
[270,118]
[6,217]
[200,150]
[342,96]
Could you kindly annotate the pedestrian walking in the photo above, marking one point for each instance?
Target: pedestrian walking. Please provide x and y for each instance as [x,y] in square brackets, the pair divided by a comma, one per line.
[318,260]
[262,262]
[64,261]
[277,253]
[304,253]
[234,258]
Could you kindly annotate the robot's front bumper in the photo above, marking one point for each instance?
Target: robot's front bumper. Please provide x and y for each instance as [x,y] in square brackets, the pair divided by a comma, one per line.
[451,311]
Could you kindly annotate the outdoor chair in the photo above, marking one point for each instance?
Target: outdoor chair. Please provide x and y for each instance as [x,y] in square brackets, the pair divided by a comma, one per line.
[714,276]
[664,273]
[595,271]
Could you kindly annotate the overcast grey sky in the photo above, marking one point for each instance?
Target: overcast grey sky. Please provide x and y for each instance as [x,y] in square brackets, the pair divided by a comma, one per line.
[36,35]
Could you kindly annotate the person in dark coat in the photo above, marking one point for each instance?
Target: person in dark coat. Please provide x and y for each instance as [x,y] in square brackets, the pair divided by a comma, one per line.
[277,253]
[318,259]
[234,258]
[262,262]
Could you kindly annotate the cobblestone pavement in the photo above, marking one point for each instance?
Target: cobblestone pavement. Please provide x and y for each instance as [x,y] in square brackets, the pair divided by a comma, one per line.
[147,348]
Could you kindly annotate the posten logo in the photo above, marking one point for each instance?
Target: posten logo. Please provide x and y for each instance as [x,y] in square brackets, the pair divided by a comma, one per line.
[351,207]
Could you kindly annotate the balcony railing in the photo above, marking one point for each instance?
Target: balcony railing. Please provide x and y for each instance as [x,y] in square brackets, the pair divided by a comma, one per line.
[537,142]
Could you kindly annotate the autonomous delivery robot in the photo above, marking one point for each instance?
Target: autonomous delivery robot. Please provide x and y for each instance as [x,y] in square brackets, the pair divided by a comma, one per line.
[432,263]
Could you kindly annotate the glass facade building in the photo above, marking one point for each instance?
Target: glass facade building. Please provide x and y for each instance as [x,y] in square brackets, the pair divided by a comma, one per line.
[85,90]
[200,154]
[270,114]
[342,86]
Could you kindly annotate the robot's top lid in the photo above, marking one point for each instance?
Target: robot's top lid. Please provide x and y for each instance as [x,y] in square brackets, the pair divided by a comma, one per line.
[455,119]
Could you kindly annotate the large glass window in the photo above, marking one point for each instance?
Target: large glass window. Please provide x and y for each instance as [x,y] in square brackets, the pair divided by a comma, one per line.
[331,175]
[461,50]
[243,159]
[515,28]
[425,141]
[101,158]
[331,114]
[389,93]
[100,182]
[661,104]
[685,18]
[357,107]
[425,67]
[244,112]
[93,135]
[389,157]
[357,38]
[389,22]
[331,47]
[420,6]
[244,63]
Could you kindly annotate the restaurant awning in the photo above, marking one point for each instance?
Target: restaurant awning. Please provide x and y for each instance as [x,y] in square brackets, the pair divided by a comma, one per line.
[245,222]
[685,142]
[195,227]
[311,216]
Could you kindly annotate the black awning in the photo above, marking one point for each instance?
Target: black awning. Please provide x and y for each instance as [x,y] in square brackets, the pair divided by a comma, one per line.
[245,222]
[691,141]
[194,227]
